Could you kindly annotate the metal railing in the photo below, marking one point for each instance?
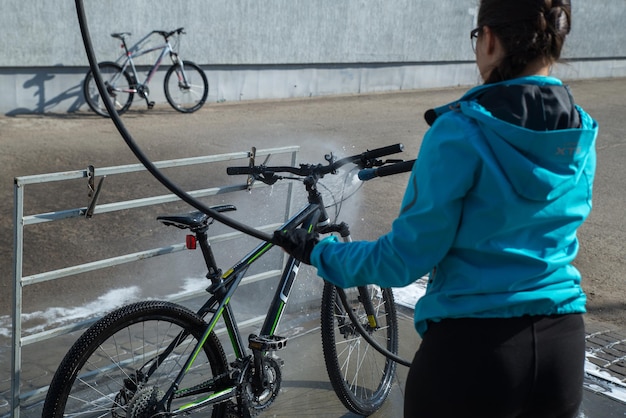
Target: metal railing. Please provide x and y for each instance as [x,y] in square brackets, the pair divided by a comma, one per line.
[91,174]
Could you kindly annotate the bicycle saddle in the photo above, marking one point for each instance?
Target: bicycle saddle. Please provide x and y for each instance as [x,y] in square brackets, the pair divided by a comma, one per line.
[121,35]
[192,220]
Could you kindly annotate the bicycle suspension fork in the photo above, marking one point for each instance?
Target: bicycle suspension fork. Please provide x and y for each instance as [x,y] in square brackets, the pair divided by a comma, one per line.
[364,294]
[324,226]
[366,300]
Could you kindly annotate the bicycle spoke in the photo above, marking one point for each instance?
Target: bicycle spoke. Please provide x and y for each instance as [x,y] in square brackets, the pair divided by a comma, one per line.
[360,375]
[122,371]
[186,89]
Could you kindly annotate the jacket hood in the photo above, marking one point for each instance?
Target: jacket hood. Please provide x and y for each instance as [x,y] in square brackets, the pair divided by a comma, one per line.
[539,137]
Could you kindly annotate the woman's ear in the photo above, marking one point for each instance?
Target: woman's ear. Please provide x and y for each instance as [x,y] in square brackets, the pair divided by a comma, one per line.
[489,40]
[489,52]
[492,45]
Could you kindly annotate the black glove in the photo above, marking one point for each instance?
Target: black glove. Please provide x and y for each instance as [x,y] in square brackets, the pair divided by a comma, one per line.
[297,242]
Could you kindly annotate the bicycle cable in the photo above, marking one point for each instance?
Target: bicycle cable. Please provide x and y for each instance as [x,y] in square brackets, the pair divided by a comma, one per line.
[338,202]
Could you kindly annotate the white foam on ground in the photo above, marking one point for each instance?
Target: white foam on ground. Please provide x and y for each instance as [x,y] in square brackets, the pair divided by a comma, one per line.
[34,322]
[409,295]
[608,384]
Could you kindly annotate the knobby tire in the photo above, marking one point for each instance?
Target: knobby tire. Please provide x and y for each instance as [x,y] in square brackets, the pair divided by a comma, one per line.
[106,370]
[186,98]
[119,84]
[361,376]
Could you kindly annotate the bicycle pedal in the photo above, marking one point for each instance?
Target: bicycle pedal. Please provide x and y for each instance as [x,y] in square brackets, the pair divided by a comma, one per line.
[266,342]
[150,105]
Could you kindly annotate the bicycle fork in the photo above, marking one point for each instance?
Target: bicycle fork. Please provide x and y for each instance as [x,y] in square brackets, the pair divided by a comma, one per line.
[364,294]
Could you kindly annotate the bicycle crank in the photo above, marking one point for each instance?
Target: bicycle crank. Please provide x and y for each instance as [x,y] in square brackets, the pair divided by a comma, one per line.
[144,93]
[260,398]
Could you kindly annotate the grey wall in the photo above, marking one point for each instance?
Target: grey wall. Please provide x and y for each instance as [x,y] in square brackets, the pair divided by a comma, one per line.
[279,44]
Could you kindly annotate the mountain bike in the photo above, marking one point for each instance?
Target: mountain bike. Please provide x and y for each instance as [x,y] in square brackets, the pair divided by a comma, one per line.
[157,358]
[185,84]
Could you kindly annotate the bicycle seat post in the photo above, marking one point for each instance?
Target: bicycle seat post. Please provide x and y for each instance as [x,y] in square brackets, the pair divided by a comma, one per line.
[214,273]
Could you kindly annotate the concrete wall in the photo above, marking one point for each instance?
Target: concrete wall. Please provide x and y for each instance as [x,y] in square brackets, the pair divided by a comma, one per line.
[278,48]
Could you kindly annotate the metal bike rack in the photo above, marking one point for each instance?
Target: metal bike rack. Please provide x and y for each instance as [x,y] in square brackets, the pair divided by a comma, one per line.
[91,173]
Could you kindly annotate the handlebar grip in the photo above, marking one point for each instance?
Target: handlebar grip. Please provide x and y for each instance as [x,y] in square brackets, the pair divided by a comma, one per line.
[381,152]
[233,171]
[388,170]
[367,174]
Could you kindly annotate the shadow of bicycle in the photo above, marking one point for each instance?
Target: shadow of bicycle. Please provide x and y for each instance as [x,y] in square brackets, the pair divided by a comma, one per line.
[45,80]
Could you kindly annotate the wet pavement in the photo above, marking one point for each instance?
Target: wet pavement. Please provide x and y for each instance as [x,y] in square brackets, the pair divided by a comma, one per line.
[306,391]
[35,145]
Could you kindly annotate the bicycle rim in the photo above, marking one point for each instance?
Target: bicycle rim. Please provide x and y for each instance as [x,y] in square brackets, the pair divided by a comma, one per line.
[112,369]
[360,375]
[186,94]
[118,85]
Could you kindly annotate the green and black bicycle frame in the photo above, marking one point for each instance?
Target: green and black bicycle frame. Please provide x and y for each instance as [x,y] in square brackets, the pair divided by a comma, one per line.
[313,218]
[222,288]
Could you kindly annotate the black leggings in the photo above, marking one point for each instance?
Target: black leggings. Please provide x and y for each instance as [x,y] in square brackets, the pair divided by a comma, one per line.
[531,366]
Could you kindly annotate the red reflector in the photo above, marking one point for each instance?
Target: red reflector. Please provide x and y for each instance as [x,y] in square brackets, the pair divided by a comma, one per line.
[190,242]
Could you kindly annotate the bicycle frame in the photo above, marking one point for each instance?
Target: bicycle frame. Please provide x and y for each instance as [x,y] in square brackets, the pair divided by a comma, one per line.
[127,59]
[223,287]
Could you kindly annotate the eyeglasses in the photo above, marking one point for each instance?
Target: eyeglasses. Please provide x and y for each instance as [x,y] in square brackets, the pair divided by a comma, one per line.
[474,37]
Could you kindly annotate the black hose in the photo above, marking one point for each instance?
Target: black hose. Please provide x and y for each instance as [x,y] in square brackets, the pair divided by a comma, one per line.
[184,196]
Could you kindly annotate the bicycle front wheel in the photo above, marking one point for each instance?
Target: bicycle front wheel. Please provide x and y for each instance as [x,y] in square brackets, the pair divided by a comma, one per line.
[123,365]
[186,87]
[360,375]
[118,83]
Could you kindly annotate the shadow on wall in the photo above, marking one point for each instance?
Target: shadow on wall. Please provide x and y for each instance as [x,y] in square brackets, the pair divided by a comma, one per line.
[46,91]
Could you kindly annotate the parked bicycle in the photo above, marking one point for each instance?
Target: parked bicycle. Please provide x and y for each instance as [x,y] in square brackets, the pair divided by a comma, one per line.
[156,358]
[185,84]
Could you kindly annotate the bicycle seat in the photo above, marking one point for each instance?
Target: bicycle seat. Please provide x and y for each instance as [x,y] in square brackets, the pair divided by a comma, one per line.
[192,220]
[164,33]
[121,35]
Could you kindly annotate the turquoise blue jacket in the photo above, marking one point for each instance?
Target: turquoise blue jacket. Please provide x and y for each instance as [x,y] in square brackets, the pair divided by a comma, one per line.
[495,218]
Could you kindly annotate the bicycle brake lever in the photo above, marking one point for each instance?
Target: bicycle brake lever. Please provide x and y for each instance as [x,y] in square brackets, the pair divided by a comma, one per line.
[330,158]
[251,178]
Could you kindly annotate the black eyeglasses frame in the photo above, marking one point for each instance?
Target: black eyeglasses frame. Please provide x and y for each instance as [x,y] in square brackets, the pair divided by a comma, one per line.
[474,36]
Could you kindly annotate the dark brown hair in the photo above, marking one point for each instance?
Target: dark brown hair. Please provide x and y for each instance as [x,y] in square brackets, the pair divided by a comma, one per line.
[528,29]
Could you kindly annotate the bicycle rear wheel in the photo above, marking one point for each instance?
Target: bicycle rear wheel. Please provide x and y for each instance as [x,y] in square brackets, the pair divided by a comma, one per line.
[189,92]
[121,365]
[360,375]
[118,84]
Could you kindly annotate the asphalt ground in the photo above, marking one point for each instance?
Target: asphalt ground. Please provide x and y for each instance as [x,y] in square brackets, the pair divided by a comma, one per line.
[35,144]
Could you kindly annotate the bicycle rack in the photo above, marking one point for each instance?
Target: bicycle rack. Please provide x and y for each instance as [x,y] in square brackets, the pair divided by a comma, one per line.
[21,220]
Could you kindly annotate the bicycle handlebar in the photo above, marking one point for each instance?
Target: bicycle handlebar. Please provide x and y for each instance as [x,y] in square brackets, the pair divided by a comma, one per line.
[367,159]
[167,34]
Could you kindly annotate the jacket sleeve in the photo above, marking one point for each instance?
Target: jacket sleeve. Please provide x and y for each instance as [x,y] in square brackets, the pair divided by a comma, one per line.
[425,229]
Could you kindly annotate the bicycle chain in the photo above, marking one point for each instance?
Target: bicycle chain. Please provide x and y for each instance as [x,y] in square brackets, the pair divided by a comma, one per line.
[209,384]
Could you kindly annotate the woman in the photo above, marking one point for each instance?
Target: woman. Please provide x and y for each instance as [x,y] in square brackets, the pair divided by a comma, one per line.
[505,179]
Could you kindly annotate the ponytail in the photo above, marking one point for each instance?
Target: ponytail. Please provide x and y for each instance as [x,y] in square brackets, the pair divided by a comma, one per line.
[528,30]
